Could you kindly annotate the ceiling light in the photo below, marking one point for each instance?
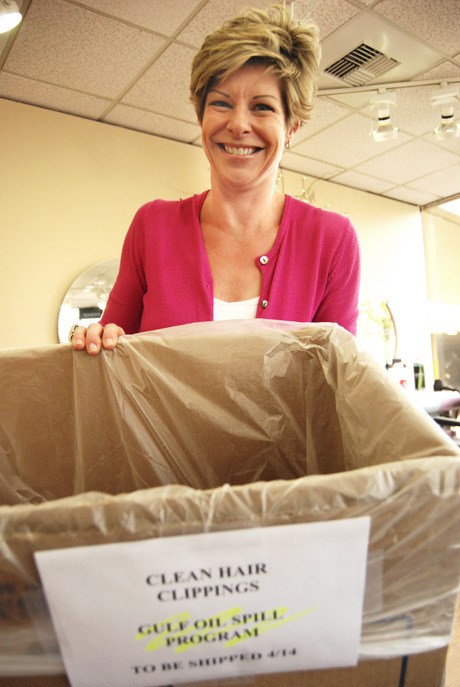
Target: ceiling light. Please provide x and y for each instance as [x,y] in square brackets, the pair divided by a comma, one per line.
[10,15]
[448,127]
[380,110]
[445,99]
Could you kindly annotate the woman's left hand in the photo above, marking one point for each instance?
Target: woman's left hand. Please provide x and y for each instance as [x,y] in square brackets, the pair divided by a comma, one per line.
[95,337]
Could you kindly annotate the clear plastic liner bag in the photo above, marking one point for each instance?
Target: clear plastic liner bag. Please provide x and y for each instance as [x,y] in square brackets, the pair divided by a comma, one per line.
[219,426]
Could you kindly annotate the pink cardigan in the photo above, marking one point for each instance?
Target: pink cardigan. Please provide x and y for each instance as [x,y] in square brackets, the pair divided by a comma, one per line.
[311,273]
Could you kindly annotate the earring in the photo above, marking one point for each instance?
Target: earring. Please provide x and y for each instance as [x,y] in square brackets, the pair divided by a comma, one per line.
[287,145]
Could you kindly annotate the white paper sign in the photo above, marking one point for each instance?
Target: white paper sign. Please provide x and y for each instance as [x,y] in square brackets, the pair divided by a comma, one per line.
[208,606]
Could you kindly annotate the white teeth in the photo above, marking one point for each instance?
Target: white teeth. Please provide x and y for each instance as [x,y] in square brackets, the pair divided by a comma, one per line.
[239,151]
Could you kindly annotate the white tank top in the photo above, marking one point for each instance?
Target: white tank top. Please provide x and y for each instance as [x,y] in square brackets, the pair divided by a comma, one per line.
[237,310]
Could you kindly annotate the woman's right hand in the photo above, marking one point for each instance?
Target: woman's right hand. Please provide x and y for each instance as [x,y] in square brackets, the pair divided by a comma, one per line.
[95,337]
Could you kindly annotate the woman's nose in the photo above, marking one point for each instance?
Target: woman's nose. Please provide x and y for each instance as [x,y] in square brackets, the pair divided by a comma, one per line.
[238,121]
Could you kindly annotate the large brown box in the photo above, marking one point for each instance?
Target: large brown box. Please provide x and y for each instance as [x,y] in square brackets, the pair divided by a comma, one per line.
[248,424]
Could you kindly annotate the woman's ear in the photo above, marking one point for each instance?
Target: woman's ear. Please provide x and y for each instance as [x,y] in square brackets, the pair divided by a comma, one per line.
[291,132]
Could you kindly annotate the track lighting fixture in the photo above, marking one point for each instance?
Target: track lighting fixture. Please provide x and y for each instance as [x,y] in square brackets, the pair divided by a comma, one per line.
[445,99]
[10,15]
[381,104]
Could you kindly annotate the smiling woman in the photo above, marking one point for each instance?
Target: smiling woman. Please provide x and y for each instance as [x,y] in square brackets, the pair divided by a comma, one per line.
[241,242]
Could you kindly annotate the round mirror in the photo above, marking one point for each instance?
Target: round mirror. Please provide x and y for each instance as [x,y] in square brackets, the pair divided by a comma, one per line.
[87,296]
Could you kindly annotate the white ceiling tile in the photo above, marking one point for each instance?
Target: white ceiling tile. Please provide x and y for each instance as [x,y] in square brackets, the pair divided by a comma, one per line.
[96,56]
[407,195]
[162,16]
[437,23]
[52,97]
[346,143]
[212,16]
[445,70]
[414,112]
[156,124]
[355,101]
[408,162]
[363,182]
[329,16]
[325,112]
[164,88]
[305,165]
[443,183]
[452,144]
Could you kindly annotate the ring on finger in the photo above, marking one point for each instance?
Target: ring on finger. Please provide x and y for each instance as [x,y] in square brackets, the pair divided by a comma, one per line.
[72,331]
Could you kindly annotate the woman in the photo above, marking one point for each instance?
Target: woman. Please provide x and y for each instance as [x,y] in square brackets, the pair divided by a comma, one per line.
[241,249]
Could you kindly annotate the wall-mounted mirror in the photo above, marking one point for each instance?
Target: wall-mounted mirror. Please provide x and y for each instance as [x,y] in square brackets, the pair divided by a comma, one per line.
[86,297]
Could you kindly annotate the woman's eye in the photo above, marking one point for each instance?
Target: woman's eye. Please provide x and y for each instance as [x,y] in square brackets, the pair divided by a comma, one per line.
[219,103]
[263,107]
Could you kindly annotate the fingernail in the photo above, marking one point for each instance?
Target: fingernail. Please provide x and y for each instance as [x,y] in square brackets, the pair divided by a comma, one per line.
[93,348]
[109,342]
[78,342]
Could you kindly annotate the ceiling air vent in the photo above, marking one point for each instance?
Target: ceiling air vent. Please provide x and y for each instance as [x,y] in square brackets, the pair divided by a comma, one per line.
[361,66]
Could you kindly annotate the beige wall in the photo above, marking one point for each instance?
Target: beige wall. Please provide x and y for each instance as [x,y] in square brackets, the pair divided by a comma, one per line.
[442,253]
[442,239]
[69,188]
[393,261]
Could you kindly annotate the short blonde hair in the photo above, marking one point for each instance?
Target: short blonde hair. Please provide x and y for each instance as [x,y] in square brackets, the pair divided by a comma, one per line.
[290,49]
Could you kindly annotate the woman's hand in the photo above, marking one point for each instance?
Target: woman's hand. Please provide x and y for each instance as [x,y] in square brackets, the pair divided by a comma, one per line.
[95,337]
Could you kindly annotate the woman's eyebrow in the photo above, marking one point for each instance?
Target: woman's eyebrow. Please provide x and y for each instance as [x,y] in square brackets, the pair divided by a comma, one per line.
[226,95]
[265,96]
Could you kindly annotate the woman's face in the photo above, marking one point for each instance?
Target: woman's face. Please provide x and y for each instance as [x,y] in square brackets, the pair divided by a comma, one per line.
[244,128]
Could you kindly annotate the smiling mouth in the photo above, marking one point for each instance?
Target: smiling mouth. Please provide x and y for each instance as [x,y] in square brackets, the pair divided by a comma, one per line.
[235,150]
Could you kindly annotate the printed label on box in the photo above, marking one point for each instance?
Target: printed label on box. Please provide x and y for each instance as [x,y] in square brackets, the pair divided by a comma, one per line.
[208,606]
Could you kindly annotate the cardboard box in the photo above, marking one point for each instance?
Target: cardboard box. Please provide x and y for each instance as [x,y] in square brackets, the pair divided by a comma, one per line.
[249,424]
